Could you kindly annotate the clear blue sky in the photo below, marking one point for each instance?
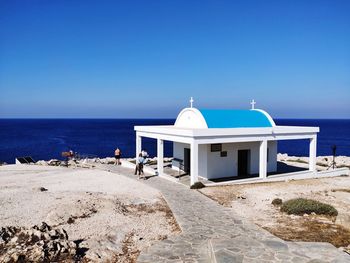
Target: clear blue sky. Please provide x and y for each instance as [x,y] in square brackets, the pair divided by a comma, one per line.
[146,58]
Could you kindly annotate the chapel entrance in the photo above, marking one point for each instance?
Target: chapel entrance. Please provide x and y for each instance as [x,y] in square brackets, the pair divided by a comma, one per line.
[187,160]
[243,162]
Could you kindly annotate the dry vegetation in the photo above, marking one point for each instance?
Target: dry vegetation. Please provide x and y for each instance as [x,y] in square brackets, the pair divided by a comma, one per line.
[312,230]
[301,206]
[311,221]
[130,250]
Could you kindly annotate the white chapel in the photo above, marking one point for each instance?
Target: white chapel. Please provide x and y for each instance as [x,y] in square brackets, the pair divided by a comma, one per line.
[219,144]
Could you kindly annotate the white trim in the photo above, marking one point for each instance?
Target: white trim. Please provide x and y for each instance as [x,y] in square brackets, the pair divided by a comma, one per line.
[267,116]
[138,144]
[263,159]
[160,156]
[165,137]
[220,132]
[301,175]
[312,153]
[252,138]
[194,162]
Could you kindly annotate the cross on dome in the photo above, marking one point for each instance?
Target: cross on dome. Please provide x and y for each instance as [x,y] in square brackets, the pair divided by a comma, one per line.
[191,102]
[253,104]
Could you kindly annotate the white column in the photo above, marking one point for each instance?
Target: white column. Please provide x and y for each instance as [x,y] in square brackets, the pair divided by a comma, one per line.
[194,162]
[160,156]
[138,145]
[312,153]
[263,159]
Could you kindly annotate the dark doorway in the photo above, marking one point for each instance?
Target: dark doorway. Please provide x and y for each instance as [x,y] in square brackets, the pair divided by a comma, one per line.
[187,160]
[243,162]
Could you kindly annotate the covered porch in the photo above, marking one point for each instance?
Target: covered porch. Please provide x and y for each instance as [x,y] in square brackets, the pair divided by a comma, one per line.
[197,138]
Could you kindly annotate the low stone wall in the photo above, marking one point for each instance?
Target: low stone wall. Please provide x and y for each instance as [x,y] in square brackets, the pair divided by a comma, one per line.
[288,176]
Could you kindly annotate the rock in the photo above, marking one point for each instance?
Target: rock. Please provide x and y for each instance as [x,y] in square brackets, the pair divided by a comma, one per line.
[54,162]
[42,189]
[294,216]
[65,234]
[36,252]
[54,234]
[35,238]
[44,227]
[14,239]
[36,232]
[72,162]
[282,156]
[45,236]
[42,162]
[38,244]
[110,160]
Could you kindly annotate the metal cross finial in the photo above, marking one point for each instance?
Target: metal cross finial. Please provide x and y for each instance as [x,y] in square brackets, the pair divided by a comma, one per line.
[191,101]
[253,104]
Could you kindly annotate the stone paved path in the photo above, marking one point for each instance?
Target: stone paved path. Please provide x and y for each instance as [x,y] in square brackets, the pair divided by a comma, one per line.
[213,233]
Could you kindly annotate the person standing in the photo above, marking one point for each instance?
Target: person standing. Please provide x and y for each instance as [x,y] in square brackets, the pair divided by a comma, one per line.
[144,155]
[117,154]
[139,165]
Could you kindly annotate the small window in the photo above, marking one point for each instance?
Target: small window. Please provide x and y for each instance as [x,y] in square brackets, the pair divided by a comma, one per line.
[216,147]
[223,154]
[268,153]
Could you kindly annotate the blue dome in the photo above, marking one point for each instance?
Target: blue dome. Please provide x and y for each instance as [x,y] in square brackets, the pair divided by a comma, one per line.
[237,118]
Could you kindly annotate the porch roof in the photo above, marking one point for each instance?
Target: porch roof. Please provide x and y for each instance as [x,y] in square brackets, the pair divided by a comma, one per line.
[273,133]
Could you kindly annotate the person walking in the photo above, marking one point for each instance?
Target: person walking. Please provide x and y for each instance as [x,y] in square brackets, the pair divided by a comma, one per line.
[139,166]
[117,154]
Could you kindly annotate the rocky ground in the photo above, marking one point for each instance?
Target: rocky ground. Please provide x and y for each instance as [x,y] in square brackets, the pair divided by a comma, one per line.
[253,202]
[322,162]
[37,244]
[92,162]
[88,215]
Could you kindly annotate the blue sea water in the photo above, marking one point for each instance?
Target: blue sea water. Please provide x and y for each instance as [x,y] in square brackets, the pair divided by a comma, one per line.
[47,138]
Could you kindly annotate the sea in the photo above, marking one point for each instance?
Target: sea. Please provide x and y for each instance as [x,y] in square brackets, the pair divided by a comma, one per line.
[45,139]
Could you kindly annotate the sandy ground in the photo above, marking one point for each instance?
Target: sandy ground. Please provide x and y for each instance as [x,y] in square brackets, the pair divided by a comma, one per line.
[253,202]
[106,210]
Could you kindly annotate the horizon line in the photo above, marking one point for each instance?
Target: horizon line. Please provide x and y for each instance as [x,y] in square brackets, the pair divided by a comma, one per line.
[131,118]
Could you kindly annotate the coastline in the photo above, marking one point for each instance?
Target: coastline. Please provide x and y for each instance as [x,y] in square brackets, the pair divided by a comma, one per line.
[322,162]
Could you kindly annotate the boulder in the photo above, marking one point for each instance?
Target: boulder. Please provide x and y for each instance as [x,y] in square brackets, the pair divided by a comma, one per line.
[42,162]
[54,162]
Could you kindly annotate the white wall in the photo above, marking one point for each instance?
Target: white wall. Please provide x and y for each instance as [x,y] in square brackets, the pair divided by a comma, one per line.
[212,165]
[220,167]
[178,152]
